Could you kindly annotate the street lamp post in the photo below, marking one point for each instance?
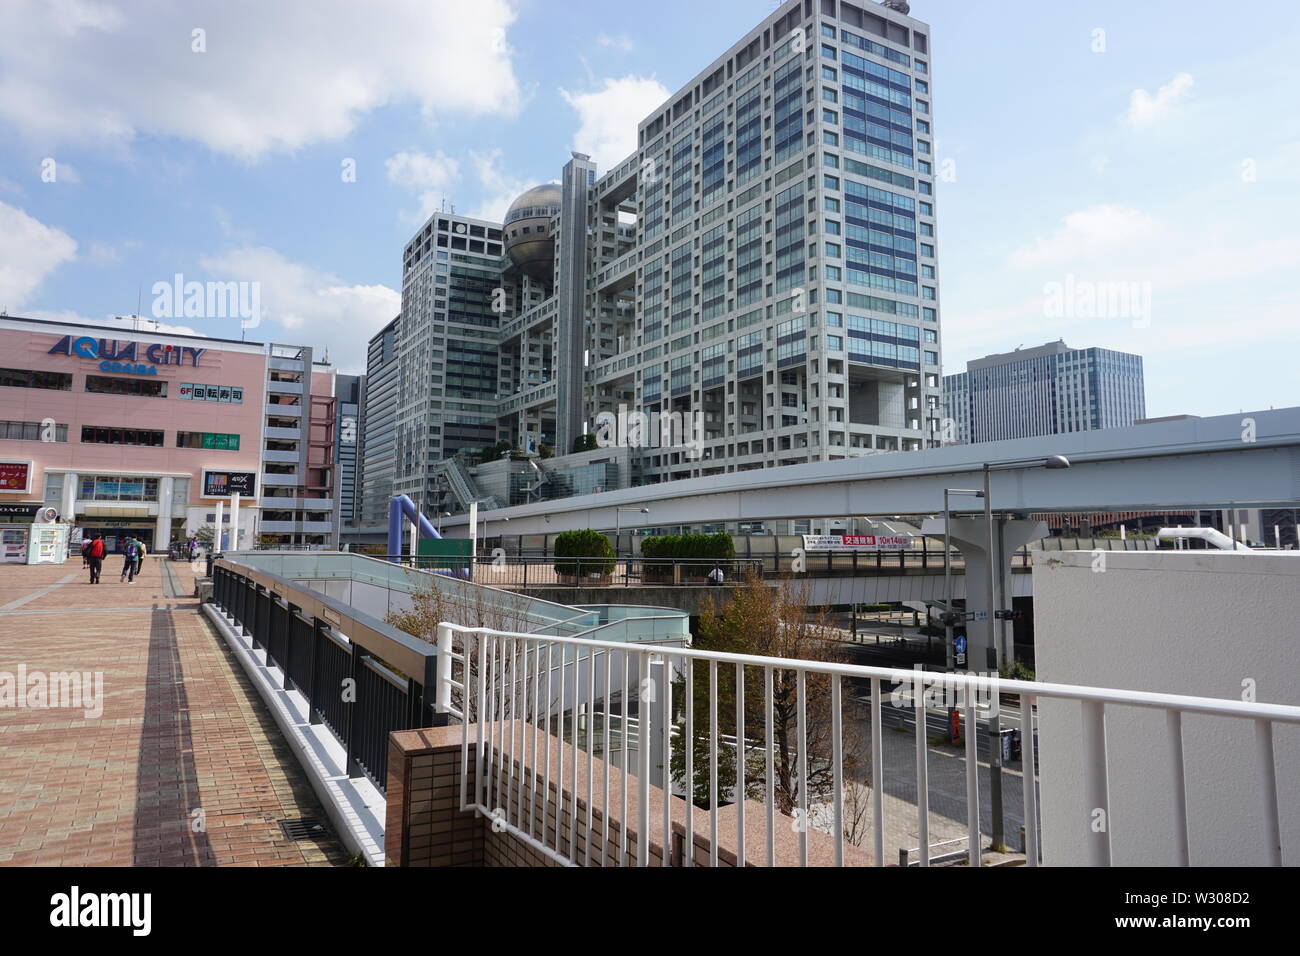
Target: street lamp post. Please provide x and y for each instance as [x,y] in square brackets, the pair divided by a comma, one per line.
[947,570]
[617,531]
[998,639]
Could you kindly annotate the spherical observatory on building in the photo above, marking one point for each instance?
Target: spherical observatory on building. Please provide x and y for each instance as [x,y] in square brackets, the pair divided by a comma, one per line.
[527,227]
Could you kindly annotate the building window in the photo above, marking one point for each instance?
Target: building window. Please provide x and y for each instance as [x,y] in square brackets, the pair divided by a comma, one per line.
[33,431]
[31,378]
[215,440]
[104,435]
[148,387]
[118,488]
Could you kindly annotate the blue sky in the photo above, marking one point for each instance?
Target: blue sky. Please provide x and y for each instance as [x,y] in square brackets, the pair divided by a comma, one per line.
[1160,155]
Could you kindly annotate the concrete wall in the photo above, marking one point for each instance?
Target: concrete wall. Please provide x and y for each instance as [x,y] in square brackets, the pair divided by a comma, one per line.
[1191,622]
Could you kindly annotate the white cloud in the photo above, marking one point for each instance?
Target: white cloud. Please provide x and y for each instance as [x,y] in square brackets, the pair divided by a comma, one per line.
[622,42]
[313,307]
[274,77]
[437,177]
[1084,234]
[422,171]
[29,251]
[109,253]
[499,188]
[59,172]
[430,176]
[609,117]
[1146,110]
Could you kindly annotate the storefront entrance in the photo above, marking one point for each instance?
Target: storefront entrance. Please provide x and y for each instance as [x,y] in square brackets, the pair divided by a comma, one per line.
[115,536]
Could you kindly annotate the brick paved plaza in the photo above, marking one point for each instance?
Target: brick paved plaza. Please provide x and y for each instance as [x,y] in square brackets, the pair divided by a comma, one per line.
[184,767]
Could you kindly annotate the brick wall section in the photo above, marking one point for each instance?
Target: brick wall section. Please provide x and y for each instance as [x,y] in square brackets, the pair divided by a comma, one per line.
[425,826]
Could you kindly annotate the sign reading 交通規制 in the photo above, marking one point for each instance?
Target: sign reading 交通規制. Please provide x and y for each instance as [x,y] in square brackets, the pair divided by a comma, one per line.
[856,542]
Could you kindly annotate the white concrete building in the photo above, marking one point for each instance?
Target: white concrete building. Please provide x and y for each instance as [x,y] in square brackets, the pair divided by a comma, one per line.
[1199,623]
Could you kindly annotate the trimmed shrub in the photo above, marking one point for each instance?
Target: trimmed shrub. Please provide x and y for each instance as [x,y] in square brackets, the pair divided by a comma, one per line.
[697,548]
[583,553]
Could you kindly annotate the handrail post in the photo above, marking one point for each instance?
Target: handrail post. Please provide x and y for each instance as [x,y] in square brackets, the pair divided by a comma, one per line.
[279,612]
[442,695]
[1096,790]
[313,710]
[353,714]
[429,692]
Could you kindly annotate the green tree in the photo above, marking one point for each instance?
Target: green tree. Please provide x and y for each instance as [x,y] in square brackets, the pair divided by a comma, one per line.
[766,621]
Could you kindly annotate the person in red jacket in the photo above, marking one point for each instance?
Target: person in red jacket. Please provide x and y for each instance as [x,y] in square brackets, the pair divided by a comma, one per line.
[95,557]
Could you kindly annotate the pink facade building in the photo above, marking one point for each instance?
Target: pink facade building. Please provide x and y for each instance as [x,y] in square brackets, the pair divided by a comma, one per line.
[143,433]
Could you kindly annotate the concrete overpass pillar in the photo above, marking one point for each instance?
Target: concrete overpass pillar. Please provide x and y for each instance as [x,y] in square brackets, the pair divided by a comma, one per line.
[970,536]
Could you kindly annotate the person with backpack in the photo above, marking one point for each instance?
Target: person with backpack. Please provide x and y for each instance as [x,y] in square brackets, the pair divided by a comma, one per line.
[141,552]
[128,564]
[94,555]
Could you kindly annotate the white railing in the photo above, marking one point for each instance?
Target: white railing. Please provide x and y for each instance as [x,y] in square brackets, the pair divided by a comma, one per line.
[577,690]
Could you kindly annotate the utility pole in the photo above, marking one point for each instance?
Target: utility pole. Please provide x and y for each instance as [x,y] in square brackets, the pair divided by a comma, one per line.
[995,699]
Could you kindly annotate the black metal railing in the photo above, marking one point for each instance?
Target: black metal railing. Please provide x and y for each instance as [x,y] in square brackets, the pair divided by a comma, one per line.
[361,678]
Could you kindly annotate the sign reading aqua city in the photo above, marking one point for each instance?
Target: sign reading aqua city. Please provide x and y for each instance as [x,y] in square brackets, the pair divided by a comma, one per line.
[124,357]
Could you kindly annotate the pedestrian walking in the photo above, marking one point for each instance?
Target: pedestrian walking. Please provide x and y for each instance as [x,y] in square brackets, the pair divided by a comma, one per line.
[141,552]
[128,563]
[94,553]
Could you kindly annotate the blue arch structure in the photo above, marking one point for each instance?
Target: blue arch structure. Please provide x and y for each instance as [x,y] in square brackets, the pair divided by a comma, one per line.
[403,507]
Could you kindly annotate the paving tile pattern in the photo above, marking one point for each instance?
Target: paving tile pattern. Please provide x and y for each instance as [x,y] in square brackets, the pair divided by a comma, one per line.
[184,767]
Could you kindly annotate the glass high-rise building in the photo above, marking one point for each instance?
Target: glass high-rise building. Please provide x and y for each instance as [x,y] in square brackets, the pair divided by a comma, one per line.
[1045,390]
[378,459]
[761,272]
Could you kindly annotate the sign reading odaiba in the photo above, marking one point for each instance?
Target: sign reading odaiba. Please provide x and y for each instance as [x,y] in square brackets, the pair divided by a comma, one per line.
[122,357]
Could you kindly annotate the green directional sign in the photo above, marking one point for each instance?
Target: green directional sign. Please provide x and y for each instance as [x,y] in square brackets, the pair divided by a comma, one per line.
[444,553]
